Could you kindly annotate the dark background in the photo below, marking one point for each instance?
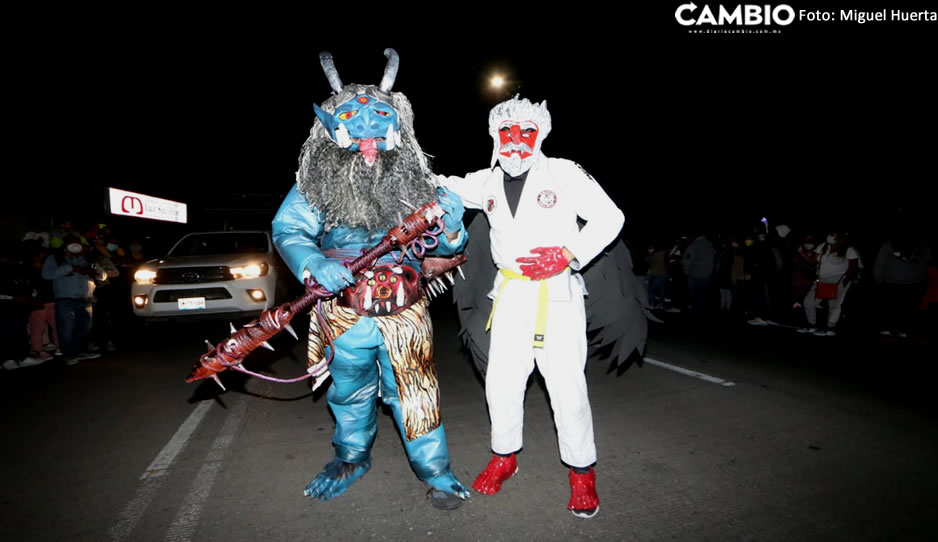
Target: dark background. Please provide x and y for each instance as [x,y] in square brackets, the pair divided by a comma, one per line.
[821,126]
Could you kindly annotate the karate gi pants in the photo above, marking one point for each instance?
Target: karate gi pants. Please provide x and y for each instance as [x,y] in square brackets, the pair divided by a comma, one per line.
[561,362]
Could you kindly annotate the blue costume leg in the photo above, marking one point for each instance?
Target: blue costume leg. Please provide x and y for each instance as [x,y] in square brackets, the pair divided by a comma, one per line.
[428,454]
[352,397]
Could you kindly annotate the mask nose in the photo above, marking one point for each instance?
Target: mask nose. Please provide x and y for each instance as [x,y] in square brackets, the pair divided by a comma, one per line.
[515,134]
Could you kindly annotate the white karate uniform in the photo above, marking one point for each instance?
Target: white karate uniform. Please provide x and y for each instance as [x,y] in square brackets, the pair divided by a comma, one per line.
[555,192]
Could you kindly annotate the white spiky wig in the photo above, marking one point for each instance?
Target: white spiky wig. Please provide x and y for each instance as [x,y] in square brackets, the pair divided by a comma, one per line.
[518,110]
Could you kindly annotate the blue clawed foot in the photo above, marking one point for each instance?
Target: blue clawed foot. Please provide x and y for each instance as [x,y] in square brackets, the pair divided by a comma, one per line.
[446,492]
[335,478]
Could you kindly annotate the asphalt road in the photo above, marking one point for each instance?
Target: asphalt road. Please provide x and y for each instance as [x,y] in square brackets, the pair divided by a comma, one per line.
[765,435]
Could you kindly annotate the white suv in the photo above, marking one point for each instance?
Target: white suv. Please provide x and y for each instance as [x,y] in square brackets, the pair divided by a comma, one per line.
[220,273]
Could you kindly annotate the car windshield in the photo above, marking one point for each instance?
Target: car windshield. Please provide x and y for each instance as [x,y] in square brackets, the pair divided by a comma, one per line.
[199,244]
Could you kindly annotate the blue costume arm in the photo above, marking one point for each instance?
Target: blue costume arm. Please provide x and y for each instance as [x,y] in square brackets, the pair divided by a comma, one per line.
[296,230]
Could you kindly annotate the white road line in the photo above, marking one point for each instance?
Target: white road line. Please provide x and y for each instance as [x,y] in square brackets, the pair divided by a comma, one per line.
[689,372]
[153,478]
[134,509]
[175,445]
[187,517]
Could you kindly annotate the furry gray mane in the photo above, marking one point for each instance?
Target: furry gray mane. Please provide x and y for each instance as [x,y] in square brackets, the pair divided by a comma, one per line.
[347,192]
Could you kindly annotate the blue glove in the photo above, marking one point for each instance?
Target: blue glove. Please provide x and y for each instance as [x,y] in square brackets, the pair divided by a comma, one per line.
[333,276]
[452,204]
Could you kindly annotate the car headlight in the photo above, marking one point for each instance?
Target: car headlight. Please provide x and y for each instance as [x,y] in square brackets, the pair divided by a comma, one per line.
[251,271]
[144,276]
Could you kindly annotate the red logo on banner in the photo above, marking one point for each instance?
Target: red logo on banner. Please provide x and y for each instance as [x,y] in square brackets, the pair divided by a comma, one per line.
[134,202]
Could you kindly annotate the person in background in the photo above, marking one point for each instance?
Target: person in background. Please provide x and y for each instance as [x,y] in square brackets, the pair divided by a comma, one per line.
[838,263]
[73,286]
[804,273]
[123,310]
[761,267]
[698,266]
[780,281]
[43,337]
[37,232]
[901,271]
[657,276]
[15,299]
[58,233]
[136,251]
[677,280]
[728,271]
[106,299]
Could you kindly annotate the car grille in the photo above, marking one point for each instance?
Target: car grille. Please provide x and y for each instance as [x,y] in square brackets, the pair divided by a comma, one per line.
[172,296]
[192,275]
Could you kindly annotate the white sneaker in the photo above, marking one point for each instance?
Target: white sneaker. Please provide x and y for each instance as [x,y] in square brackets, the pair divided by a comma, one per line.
[902,334]
[757,322]
[88,355]
[12,364]
[806,329]
[29,361]
[886,333]
[71,361]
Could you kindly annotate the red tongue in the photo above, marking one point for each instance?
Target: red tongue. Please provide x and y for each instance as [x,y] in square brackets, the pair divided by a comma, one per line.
[369,150]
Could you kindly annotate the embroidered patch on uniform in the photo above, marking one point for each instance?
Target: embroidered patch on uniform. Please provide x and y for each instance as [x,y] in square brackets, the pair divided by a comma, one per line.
[490,204]
[547,199]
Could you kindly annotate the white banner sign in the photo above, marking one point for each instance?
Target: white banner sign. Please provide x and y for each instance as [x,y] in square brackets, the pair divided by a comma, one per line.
[142,206]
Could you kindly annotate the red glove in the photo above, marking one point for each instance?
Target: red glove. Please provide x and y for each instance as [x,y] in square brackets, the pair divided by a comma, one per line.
[549,262]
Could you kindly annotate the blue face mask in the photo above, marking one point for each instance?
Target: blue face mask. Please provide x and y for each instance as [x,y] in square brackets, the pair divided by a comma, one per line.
[831,239]
[112,246]
[362,118]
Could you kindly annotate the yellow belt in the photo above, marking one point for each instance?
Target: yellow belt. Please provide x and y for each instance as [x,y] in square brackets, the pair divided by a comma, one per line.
[540,325]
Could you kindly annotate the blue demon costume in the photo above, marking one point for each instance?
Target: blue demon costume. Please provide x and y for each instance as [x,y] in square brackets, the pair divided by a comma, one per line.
[359,168]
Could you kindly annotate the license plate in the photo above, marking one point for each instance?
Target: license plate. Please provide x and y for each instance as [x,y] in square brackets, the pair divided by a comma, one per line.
[191,303]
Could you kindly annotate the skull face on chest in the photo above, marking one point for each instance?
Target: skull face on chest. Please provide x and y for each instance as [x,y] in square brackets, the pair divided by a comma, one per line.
[383,290]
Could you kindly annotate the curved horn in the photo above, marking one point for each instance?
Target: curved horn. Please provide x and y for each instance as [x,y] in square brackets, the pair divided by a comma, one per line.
[328,66]
[390,71]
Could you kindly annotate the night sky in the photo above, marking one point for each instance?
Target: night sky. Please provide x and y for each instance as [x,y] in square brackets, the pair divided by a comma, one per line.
[815,128]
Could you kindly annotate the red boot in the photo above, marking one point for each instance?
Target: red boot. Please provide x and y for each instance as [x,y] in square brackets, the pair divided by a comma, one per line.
[584,503]
[499,469]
